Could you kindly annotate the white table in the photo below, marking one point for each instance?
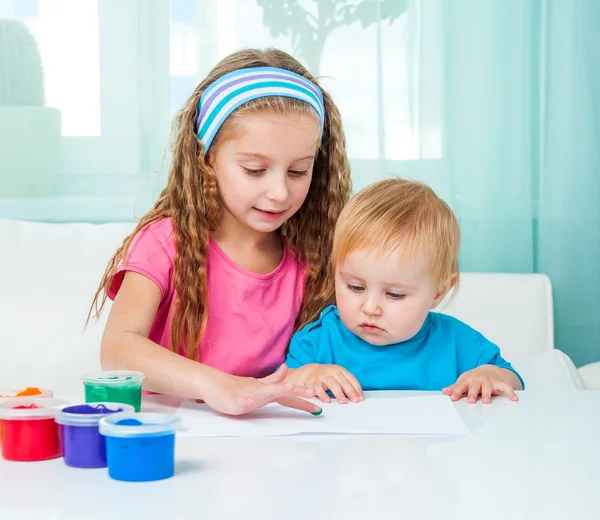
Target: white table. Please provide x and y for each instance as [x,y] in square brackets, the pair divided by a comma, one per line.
[539,458]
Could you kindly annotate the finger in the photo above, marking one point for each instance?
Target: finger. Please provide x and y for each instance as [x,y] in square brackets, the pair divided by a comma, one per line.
[263,394]
[336,389]
[509,390]
[474,389]
[460,387]
[486,392]
[348,388]
[300,404]
[321,393]
[276,377]
[356,385]
[448,389]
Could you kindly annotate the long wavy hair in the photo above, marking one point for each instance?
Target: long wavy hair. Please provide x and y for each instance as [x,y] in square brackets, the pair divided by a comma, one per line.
[191,199]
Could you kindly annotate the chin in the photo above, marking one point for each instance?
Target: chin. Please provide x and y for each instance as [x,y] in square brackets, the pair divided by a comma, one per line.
[372,340]
[265,227]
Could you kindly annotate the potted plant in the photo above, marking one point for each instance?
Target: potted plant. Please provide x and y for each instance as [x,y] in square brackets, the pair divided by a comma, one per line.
[30,132]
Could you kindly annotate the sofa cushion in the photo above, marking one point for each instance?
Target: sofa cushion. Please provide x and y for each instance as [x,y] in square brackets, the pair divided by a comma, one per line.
[50,272]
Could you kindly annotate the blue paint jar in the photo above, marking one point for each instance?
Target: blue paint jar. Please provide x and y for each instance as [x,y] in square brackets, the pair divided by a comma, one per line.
[140,446]
[82,444]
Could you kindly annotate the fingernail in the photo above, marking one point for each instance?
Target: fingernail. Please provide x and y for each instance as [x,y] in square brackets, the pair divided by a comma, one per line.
[316,414]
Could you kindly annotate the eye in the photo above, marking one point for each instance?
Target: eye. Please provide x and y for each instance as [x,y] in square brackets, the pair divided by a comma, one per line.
[298,173]
[355,288]
[253,173]
[396,296]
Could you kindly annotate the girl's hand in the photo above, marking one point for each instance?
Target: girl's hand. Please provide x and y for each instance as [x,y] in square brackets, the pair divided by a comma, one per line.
[235,395]
[485,380]
[342,384]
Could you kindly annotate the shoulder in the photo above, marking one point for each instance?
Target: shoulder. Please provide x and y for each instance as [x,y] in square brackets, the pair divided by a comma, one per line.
[158,235]
[329,319]
[152,254]
[316,341]
[445,322]
[162,229]
[293,258]
[470,344]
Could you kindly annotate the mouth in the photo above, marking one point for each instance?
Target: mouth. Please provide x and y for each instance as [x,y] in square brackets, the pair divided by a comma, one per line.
[371,328]
[271,213]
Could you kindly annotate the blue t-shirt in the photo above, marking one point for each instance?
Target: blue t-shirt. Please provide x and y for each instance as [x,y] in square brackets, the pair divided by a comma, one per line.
[434,358]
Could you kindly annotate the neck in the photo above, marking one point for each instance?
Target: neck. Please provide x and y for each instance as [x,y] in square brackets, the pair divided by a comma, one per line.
[233,233]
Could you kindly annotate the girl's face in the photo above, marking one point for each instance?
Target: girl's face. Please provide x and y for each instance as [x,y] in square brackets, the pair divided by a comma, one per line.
[264,169]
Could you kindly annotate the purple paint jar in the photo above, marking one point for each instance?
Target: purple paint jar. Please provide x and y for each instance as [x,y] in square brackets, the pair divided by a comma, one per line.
[82,444]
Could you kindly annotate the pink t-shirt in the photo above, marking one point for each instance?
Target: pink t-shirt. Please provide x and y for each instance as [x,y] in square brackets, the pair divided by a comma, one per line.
[250,316]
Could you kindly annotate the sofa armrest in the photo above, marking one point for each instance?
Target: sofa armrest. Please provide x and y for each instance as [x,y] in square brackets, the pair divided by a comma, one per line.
[591,375]
[550,371]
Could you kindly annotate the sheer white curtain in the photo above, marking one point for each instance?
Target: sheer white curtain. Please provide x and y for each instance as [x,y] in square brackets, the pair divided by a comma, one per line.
[492,103]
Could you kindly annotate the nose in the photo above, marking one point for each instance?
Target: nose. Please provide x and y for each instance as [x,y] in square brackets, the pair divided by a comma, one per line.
[371,305]
[278,190]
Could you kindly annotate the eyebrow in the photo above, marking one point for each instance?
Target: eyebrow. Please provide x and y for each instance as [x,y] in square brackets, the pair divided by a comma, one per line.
[265,158]
[387,284]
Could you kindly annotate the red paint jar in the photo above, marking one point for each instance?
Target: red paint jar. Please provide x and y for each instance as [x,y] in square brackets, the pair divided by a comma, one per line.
[30,391]
[29,431]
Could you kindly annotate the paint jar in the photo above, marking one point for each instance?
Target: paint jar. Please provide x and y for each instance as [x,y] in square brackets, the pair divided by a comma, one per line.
[140,446]
[29,391]
[114,386]
[82,444]
[29,430]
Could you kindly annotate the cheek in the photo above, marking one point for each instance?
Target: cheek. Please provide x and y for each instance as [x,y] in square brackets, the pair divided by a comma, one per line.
[411,315]
[344,300]
[347,312]
[236,188]
[300,188]
[340,298]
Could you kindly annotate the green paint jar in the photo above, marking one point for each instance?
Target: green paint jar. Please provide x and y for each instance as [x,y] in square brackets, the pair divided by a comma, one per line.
[114,386]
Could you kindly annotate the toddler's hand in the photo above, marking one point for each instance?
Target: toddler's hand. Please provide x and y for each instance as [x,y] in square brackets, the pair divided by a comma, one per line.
[342,384]
[485,380]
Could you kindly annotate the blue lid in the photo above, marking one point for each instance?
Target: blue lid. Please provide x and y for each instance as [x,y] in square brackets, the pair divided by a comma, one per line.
[145,424]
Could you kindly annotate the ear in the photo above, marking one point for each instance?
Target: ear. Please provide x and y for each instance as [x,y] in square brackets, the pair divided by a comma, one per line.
[443,290]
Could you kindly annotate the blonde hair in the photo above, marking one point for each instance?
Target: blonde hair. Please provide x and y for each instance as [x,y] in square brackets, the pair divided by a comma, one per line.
[400,214]
[191,199]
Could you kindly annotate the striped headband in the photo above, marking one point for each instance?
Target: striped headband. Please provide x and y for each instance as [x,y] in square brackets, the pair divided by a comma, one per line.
[232,90]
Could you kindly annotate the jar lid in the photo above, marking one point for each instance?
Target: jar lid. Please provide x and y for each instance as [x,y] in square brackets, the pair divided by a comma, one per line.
[88,414]
[114,378]
[145,424]
[28,391]
[24,408]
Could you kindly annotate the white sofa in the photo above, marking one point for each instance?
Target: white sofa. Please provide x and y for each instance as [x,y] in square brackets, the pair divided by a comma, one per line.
[49,273]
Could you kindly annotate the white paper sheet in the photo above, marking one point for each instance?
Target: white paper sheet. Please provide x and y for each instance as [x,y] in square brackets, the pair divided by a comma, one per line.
[423,415]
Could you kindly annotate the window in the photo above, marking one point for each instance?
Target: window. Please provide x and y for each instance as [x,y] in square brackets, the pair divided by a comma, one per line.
[117,72]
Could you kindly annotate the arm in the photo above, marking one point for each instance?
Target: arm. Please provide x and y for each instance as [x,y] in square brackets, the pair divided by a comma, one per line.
[509,376]
[492,375]
[312,366]
[125,345]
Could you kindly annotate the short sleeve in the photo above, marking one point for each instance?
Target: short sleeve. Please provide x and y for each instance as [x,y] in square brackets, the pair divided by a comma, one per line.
[151,254]
[490,355]
[306,349]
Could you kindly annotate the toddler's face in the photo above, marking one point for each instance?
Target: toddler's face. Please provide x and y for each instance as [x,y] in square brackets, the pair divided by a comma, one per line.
[382,297]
